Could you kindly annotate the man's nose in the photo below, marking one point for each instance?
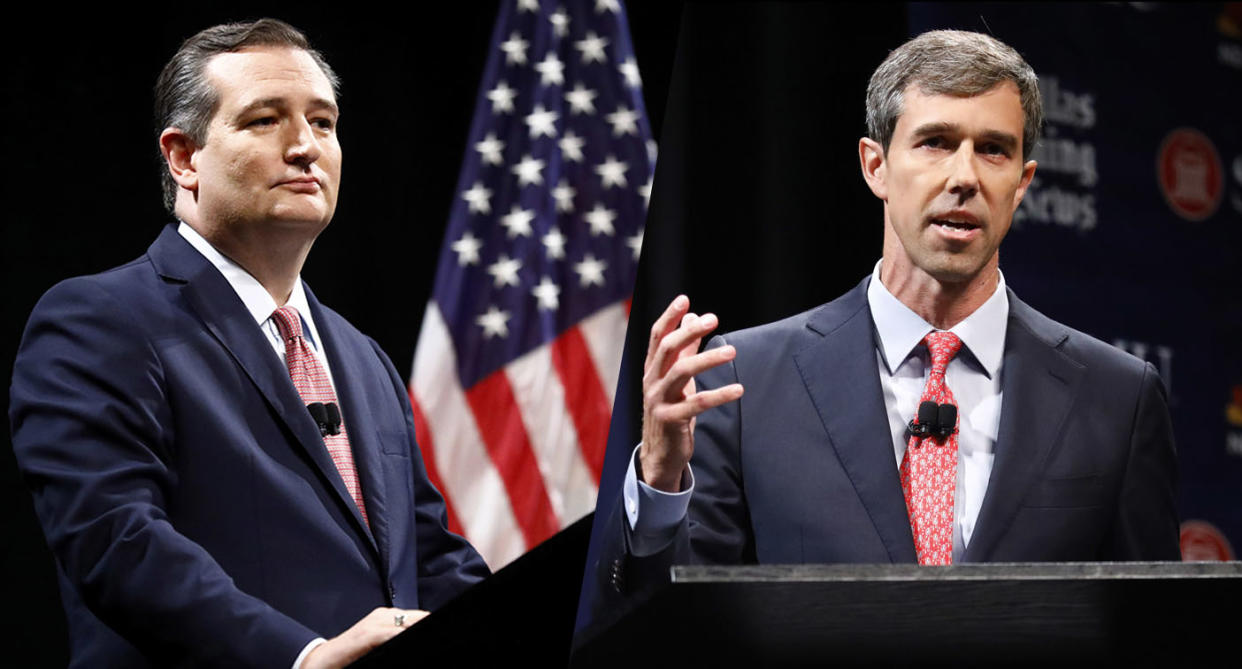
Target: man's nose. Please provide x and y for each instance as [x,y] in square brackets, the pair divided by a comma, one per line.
[964,177]
[302,146]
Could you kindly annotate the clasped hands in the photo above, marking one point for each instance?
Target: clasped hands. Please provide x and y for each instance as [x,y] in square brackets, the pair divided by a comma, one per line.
[670,400]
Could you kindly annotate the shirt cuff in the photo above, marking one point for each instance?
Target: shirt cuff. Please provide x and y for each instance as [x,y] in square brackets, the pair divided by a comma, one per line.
[661,512]
[297,664]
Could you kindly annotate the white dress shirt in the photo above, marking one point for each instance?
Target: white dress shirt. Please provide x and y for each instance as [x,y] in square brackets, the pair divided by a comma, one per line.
[261,306]
[974,377]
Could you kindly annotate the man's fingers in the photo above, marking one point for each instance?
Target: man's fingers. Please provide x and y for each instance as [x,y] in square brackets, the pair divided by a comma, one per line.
[670,388]
[671,347]
[698,403]
[665,324]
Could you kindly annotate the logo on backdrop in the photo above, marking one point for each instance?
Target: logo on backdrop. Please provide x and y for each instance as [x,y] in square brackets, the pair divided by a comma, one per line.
[1190,174]
[1202,542]
[1062,194]
[1233,416]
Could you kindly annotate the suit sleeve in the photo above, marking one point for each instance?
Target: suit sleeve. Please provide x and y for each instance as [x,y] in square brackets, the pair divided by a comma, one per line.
[1147,525]
[94,438]
[447,563]
[717,528]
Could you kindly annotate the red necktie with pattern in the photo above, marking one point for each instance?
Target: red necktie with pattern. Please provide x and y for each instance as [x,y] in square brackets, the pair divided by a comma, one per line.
[929,468]
[312,383]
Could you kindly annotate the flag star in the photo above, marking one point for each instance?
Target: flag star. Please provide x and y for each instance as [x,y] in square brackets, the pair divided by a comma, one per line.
[501,97]
[529,171]
[651,151]
[560,22]
[564,195]
[600,219]
[551,70]
[645,191]
[517,221]
[542,122]
[554,242]
[581,100]
[505,270]
[528,6]
[612,173]
[515,49]
[607,5]
[635,243]
[629,70]
[590,271]
[489,149]
[467,249]
[546,294]
[624,121]
[592,48]
[478,198]
[571,146]
[495,323]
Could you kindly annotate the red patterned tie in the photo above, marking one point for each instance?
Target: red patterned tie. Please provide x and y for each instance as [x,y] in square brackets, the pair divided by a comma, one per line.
[929,468]
[312,383]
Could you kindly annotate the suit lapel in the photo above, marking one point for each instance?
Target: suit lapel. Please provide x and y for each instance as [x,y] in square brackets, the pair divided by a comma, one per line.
[224,315]
[1039,385]
[352,368]
[839,372]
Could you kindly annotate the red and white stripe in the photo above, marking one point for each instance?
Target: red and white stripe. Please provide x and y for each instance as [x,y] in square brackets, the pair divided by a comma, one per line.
[518,455]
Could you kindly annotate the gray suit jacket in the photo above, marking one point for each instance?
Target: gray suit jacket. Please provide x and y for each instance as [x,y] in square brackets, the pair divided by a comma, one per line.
[800,470]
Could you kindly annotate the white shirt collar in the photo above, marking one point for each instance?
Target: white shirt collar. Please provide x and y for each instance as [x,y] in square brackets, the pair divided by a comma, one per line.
[252,293]
[900,329]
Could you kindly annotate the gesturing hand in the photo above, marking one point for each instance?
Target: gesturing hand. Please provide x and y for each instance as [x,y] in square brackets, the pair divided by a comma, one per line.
[670,402]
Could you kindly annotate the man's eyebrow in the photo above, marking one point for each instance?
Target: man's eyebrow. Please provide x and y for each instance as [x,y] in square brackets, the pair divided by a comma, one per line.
[1007,140]
[315,104]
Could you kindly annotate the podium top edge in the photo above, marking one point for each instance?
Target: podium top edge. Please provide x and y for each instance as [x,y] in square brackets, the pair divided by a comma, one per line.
[1023,571]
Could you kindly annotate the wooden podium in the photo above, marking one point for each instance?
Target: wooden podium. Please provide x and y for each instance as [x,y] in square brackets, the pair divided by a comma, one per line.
[1077,614]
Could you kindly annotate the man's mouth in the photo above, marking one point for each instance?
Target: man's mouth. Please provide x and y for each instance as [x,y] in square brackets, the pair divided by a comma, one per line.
[963,223]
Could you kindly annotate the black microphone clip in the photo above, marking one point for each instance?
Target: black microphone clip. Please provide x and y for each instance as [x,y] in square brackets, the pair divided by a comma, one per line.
[934,420]
[326,416]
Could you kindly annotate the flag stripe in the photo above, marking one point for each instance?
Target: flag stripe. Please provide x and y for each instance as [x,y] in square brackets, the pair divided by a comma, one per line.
[426,447]
[571,485]
[604,333]
[587,403]
[500,423]
[470,481]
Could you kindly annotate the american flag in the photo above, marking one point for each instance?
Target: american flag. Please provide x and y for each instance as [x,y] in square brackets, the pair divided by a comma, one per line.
[517,361]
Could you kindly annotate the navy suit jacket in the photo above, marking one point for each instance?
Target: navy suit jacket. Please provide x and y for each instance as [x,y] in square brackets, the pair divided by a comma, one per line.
[194,512]
[801,470]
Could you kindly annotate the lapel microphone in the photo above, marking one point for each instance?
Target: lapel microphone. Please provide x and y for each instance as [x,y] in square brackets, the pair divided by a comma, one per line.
[934,420]
[326,416]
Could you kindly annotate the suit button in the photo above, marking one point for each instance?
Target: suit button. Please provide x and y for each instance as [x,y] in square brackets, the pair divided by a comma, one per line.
[617,576]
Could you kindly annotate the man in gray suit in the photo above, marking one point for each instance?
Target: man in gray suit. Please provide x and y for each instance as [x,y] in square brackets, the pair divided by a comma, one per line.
[927,415]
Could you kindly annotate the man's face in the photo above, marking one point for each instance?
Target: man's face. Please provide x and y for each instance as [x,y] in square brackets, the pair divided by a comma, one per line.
[951,180]
[271,155]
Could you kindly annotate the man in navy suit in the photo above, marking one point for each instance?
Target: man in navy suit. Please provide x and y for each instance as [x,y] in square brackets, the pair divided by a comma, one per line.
[1064,450]
[194,507]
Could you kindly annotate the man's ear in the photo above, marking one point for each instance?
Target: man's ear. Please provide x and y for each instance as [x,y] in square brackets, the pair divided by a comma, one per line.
[179,154]
[1028,173]
[871,158]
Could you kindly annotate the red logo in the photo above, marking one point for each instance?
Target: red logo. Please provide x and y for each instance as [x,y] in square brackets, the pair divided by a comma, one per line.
[1202,542]
[1191,178]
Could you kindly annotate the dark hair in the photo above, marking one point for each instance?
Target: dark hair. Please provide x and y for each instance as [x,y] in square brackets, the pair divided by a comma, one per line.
[951,62]
[184,99]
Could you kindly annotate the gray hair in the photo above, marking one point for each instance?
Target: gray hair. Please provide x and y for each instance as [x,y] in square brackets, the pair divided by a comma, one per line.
[185,100]
[951,62]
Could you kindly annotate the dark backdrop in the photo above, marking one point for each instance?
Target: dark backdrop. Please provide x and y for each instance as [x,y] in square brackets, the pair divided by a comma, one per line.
[81,191]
